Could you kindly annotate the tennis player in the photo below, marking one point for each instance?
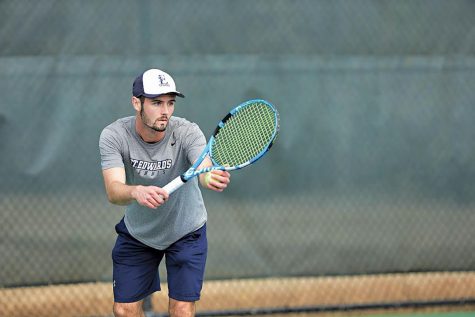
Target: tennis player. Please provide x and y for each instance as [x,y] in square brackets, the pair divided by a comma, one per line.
[139,155]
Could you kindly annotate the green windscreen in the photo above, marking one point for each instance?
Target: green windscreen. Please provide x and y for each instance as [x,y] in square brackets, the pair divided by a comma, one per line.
[245,135]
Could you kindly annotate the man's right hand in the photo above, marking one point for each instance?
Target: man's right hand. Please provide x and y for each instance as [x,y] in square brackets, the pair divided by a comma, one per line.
[150,196]
[121,194]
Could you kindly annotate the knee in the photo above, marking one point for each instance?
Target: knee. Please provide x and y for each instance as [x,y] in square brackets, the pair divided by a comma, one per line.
[181,309]
[120,310]
[126,309]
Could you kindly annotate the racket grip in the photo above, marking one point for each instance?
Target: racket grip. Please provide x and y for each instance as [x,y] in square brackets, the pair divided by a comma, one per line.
[174,185]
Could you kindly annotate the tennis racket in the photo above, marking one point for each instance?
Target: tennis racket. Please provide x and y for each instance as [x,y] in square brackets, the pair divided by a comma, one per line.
[244,135]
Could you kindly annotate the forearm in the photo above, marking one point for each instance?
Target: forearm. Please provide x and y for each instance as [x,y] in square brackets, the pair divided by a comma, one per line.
[148,196]
[120,194]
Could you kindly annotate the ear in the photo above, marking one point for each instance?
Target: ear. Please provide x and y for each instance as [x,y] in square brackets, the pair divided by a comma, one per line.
[136,103]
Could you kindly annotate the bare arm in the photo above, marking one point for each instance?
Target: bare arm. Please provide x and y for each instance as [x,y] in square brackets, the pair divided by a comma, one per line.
[119,193]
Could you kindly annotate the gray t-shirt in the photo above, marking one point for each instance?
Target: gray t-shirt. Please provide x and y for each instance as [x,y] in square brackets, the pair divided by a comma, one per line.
[157,164]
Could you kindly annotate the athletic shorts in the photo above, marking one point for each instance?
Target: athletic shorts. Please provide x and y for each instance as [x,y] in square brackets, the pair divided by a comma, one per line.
[135,267]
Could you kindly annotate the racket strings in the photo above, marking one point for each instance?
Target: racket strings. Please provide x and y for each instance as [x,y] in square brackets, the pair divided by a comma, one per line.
[245,135]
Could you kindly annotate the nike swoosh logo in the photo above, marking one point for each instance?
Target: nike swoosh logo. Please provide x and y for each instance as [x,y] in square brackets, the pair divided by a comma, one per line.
[173,139]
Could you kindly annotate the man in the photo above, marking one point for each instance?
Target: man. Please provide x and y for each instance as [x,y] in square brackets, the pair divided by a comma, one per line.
[139,155]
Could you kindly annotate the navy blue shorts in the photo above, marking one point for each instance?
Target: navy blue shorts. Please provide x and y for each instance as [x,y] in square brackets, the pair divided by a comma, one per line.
[135,267]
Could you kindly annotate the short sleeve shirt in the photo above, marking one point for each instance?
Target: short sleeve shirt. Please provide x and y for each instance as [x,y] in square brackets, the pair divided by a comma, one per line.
[157,164]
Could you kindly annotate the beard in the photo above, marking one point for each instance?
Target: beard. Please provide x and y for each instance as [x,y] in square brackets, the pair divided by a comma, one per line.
[156,125]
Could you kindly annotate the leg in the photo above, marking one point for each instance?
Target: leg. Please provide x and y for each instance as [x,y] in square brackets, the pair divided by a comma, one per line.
[128,309]
[186,260]
[181,309]
[135,273]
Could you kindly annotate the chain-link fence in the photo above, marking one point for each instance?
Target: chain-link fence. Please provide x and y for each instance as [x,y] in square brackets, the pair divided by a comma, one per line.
[370,182]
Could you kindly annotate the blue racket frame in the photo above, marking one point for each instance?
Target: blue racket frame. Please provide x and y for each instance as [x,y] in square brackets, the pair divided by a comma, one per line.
[192,171]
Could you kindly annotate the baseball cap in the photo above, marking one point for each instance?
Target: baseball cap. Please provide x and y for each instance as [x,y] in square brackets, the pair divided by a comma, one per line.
[153,83]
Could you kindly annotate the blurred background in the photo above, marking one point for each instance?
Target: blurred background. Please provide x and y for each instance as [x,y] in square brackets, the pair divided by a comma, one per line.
[372,173]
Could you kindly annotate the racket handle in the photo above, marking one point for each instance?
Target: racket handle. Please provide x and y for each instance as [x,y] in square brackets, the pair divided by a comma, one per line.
[174,185]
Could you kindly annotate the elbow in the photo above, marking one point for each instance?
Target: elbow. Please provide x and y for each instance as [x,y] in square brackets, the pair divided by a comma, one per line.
[111,199]
[117,194]
[114,200]
[118,202]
